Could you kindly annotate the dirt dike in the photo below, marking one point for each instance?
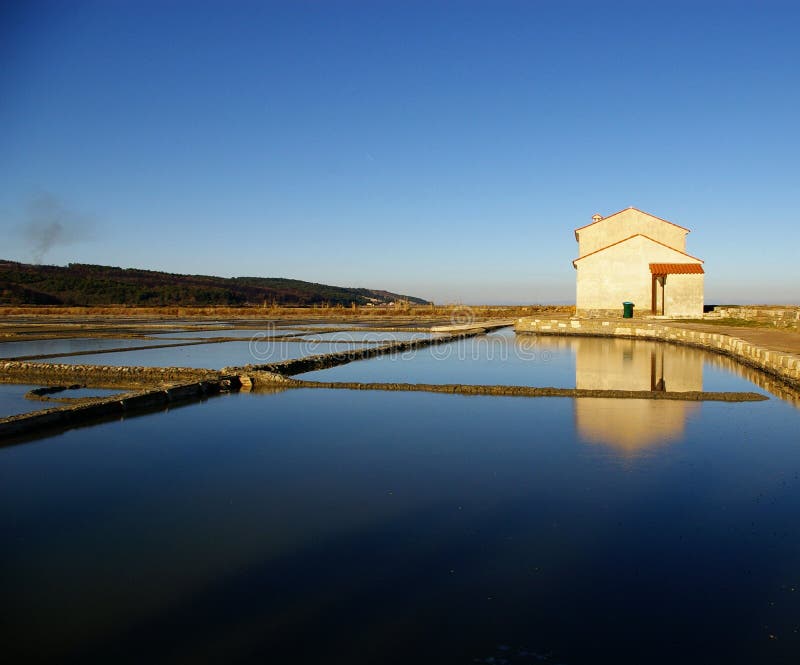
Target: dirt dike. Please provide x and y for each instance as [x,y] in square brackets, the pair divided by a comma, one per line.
[101,376]
[527,391]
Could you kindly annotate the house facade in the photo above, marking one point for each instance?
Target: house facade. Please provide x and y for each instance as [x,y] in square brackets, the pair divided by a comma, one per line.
[638,257]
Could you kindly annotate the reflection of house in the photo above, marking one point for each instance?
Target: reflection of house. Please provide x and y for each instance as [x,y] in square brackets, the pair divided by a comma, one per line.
[634,256]
[619,364]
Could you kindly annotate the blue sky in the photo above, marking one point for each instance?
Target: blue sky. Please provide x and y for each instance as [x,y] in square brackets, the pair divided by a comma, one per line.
[441,149]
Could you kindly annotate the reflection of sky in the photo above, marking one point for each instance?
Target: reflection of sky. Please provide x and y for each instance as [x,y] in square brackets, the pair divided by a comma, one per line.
[722,379]
[87,392]
[368,335]
[12,400]
[210,356]
[45,346]
[502,358]
[488,359]
[343,324]
[488,510]
[212,334]
[627,425]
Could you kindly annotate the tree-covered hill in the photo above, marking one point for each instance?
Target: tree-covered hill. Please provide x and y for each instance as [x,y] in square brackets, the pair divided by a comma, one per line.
[81,284]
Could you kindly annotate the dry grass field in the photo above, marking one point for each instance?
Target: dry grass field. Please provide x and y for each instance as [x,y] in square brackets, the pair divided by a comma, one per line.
[404,310]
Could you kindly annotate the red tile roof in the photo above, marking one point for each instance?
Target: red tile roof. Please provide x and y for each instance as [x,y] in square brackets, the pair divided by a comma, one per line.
[676,269]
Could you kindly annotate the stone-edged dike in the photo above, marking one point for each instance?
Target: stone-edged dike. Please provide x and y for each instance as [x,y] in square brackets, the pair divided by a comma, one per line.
[159,387]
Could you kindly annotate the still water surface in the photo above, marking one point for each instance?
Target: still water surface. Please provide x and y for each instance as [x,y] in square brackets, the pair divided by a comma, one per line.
[335,526]
[245,333]
[369,335]
[12,400]
[562,362]
[47,346]
[211,356]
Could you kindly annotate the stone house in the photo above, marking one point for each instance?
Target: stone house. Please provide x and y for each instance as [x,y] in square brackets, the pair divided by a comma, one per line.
[638,257]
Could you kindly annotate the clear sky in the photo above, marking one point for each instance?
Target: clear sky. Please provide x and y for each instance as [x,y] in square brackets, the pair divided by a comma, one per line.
[442,149]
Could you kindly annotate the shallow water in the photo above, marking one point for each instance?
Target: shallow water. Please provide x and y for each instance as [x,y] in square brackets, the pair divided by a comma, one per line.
[548,361]
[210,356]
[13,402]
[46,346]
[87,392]
[232,332]
[368,527]
[344,324]
[369,336]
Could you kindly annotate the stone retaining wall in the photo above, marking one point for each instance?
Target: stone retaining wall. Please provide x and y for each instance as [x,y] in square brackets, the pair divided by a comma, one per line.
[615,313]
[780,317]
[789,312]
[784,366]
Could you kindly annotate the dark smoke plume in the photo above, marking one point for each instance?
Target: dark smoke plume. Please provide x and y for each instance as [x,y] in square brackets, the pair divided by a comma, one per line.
[51,224]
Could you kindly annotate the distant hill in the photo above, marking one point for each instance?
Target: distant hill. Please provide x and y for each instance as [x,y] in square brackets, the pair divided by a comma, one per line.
[82,284]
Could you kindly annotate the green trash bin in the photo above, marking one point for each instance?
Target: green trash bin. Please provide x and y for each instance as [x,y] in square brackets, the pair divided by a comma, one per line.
[627,310]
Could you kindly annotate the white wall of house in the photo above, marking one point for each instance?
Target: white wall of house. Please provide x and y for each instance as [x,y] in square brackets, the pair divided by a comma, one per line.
[683,295]
[625,224]
[622,272]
